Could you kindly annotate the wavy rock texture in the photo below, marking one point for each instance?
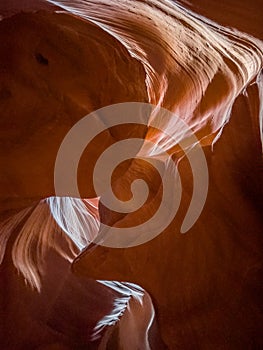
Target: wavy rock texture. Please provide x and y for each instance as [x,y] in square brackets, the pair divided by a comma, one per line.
[200,60]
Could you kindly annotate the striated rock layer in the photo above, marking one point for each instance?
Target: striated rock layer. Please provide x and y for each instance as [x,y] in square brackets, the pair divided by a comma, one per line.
[61,60]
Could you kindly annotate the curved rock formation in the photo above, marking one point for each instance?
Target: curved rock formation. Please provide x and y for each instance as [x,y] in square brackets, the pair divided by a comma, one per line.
[60,61]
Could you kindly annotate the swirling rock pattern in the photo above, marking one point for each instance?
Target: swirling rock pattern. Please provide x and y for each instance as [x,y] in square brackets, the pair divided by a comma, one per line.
[61,60]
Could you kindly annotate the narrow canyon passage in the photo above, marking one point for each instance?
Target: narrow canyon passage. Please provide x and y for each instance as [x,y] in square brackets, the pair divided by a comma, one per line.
[89,268]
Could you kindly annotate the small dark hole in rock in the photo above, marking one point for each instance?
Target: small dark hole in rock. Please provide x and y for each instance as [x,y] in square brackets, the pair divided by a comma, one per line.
[41,59]
[5,93]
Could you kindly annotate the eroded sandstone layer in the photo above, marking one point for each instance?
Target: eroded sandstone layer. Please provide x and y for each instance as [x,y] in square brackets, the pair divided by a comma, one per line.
[202,62]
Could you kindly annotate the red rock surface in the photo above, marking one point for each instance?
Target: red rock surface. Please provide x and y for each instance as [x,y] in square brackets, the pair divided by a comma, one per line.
[205,285]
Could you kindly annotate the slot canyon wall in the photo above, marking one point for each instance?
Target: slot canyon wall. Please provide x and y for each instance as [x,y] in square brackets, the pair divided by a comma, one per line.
[184,78]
